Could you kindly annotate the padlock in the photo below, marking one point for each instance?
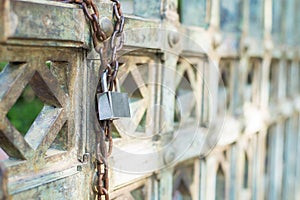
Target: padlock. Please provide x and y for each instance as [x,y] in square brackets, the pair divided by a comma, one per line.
[112,105]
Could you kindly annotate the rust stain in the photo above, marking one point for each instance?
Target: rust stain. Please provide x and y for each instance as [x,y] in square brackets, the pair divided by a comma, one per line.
[46,20]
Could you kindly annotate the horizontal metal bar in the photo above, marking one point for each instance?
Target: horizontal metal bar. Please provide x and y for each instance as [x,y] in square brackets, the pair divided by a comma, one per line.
[49,21]
[32,181]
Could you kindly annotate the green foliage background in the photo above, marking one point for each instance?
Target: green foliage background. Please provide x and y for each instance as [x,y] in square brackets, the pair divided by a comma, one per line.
[26,108]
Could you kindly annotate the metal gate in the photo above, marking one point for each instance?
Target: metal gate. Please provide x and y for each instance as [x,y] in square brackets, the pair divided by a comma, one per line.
[214,96]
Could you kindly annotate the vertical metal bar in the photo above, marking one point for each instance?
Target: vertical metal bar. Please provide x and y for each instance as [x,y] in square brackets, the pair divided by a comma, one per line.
[265,83]
[4,19]
[260,158]
[197,180]
[166,184]
[254,166]
[268,18]
[233,173]
[297,186]
[3,182]
[202,177]
[281,90]
[276,162]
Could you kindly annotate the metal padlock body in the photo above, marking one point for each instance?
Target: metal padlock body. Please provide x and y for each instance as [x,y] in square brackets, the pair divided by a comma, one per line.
[113,105]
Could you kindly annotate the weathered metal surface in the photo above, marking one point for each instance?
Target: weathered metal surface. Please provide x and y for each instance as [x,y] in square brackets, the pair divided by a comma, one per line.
[42,21]
[55,92]
[61,188]
[147,9]
[194,13]
[253,157]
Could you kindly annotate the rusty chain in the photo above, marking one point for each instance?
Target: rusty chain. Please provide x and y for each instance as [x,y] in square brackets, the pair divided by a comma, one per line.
[108,55]
[111,66]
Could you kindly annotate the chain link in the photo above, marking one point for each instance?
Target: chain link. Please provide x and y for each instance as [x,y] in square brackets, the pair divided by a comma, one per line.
[108,55]
[111,67]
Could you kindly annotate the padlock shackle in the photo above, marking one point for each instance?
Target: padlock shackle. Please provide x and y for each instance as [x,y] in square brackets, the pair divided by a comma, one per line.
[104,81]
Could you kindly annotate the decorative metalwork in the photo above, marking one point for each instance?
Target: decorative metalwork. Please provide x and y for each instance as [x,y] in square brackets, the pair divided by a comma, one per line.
[254,46]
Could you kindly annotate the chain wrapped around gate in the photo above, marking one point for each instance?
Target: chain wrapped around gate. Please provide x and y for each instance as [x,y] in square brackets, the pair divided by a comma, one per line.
[111,105]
